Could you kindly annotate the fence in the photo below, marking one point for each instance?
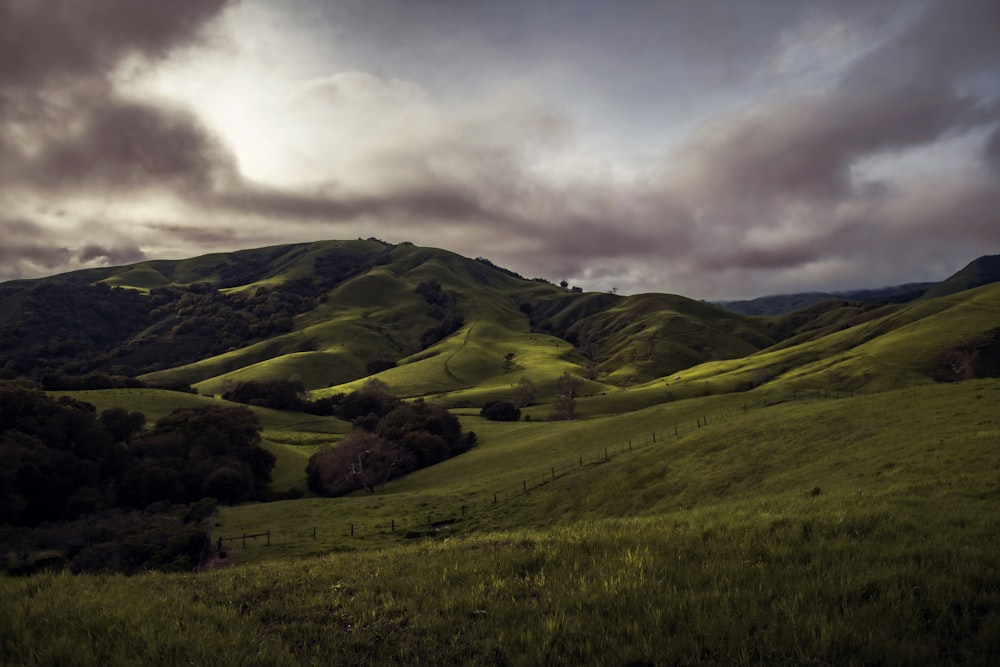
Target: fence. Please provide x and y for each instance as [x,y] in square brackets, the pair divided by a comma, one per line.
[427,523]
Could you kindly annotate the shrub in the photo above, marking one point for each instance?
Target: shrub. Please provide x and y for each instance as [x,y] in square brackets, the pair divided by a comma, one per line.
[501,411]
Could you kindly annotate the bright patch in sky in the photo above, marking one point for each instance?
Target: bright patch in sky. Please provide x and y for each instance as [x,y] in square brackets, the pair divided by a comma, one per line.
[711,149]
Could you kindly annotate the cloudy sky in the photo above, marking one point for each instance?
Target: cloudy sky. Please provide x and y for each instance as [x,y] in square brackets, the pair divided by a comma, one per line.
[711,148]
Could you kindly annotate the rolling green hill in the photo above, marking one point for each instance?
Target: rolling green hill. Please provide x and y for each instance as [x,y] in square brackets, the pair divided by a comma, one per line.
[811,488]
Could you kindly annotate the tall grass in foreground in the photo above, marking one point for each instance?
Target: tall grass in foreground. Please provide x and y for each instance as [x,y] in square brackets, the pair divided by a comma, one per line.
[812,579]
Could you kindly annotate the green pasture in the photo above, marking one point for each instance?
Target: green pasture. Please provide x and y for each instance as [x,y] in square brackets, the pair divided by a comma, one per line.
[156,403]
[819,503]
[823,531]
[661,460]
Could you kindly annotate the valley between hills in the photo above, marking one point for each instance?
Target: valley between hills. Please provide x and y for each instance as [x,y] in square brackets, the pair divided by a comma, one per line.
[683,483]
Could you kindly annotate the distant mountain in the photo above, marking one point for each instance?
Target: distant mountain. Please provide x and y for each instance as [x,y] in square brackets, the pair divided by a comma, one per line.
[979,272]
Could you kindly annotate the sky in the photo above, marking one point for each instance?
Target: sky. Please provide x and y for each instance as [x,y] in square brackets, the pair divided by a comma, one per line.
[717,149]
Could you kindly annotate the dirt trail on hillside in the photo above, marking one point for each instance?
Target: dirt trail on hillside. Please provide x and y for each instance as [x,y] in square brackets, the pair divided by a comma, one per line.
[447,368]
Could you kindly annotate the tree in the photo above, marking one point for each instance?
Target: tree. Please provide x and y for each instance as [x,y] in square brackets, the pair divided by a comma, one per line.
[274,394]
[761,375]
[961,363]
[500,411]
[122,424]
[362,460]
[383,447]
[525,393]
[565,407]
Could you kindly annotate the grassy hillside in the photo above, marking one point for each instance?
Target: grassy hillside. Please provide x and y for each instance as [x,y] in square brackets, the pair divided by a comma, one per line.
[981,271]
[839,531]
[813,488]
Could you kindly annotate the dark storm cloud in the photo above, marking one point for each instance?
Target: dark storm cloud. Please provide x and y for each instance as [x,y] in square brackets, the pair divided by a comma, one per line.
[62,123]
[214,235]
[25,249]
[781,178]
[124,145]
[113,255]
[41,42]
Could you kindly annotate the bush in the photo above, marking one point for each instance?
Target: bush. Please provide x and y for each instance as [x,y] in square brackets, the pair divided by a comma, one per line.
[406,437]
[500,411]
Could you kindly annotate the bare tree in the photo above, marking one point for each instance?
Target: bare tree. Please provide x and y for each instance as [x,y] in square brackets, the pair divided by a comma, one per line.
[525,393]
[361,460]
[962,363]
[565,407]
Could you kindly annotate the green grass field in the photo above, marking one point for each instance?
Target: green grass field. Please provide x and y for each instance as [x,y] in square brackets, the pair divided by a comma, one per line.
[853,530]
[837,509]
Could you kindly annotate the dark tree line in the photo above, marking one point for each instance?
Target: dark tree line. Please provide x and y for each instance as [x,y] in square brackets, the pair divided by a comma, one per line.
[500,411]
[61,461]
[68,328]
[274,394]
[441,309]
[391,438]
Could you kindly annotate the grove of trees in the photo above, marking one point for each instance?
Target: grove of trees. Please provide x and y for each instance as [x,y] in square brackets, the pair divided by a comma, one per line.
[61,462]
[390,439]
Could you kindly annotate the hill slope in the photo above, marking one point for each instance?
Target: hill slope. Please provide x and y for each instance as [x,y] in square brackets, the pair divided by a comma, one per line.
[331,312]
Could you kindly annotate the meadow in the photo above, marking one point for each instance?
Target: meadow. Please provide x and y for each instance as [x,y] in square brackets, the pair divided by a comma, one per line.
[854,530]
[801,490]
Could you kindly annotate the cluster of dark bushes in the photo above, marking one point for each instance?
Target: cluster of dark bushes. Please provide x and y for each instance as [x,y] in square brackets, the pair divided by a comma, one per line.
[274,394]
[66,326]
[291,395]
[94,380]
[61,461]
[71,329]
[391,438]
[500,411]
[441,308]
[162,536]
[979,358]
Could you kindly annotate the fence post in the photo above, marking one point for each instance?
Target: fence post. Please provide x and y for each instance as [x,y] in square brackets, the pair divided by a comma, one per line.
[352,530]
[524,486]
[494,497]
[314,533]
[654,437]
[581,461]
[676,432]
[244,539]
[268,537]
[605,454]
[394,525]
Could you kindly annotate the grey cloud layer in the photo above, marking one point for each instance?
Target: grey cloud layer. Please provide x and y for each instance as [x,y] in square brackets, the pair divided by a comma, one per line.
[779,188]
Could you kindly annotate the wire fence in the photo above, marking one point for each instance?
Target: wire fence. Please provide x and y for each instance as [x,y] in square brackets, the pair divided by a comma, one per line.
[431,522]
